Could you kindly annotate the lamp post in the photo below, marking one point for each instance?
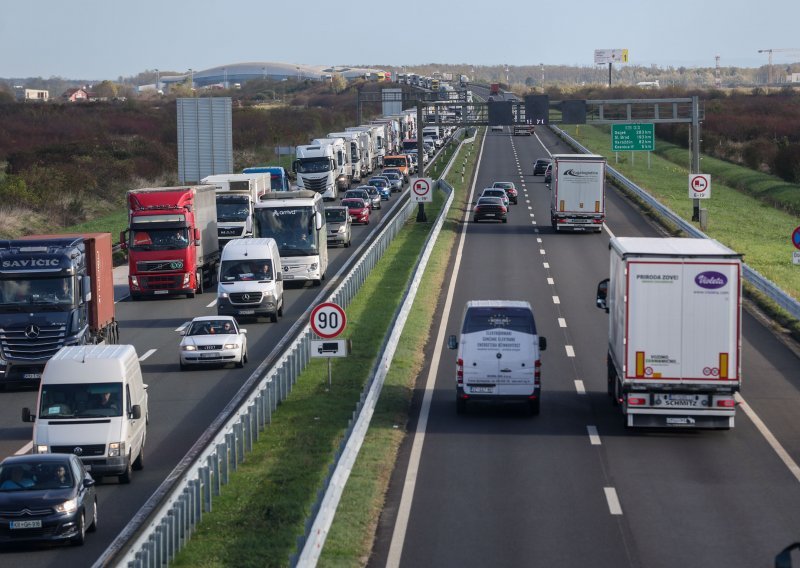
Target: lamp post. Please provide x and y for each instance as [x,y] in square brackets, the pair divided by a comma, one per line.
[191,79]
[298,73]
[541,66]
[225,77]
[158,81]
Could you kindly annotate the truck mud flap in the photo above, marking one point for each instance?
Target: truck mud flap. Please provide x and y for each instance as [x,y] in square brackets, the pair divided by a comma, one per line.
[678,421]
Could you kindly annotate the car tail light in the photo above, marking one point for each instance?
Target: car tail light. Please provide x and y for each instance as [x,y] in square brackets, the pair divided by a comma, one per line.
[503,209]
[460,371]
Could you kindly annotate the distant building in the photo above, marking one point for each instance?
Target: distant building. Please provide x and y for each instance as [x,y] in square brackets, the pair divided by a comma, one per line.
[75,95]
[794,78]
[38,95]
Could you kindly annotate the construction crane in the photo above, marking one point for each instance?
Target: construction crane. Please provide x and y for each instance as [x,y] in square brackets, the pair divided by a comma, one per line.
[770,51]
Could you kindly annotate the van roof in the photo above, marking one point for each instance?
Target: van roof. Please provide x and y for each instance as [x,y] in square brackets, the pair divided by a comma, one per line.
[498,304]
[108,363]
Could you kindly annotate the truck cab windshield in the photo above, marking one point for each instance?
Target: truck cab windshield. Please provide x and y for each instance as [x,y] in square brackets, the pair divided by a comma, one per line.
[154,238]
[291,227]
[232,209]
[313,165]
[51,291]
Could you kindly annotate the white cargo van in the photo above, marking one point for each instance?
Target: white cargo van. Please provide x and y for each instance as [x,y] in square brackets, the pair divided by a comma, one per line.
[498,354]
[250,282]
[92,403]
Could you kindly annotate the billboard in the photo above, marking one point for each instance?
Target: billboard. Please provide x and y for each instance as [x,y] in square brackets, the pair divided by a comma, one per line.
[205,138]
[602,56]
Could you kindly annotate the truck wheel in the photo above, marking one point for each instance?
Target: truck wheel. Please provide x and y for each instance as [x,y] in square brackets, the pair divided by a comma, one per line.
[611,375]
[617,393]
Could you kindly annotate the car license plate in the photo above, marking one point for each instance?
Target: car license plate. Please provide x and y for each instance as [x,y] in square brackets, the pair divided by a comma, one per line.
[32,376]
[490,214]
[161,292]
[208,355]
[246,312]
[37,524]
[482,390]
[681,400]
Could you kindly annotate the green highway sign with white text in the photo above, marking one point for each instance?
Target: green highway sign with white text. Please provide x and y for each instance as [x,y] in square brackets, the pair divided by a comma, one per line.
[633,138]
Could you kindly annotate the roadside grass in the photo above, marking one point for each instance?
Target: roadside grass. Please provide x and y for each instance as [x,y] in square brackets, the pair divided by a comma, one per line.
[113,223]
[744,223]
[260,514]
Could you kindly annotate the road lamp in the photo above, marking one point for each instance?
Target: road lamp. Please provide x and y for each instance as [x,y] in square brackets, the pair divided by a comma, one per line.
[298,73]
[225,77]
[158,81]
[191,79]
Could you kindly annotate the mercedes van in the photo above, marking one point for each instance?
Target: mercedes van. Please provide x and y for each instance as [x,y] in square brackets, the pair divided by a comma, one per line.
[250,283]
[93,403]
[498,354]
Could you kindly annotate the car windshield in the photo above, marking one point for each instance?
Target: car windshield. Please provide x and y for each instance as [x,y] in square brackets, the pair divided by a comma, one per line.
[353,203]
[211,327]
[291,227]
[360,194]
[35,475]
[245,270]
[503,184]
[80,400]
[336,215]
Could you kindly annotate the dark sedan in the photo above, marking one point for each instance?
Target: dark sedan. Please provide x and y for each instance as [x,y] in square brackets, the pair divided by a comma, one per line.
[539,166]
[490,208]
[46,497]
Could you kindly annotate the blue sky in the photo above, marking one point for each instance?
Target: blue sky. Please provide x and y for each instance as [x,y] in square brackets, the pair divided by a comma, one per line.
[106,39]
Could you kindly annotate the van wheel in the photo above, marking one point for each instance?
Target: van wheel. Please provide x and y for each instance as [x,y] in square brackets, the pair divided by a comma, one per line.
[138,463]
[461,405]
[125,478]
[93,526]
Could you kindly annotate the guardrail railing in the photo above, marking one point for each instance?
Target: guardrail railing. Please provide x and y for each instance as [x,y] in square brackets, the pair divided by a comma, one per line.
[751,276]
[165,523]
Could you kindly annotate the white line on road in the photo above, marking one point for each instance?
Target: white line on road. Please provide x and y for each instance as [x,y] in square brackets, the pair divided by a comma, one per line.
[769,437]
[570,350]
[541,251]
[147,354]
[613,501]
[551,282]
[546,264]
[24,449]
[579,386]
[212,304]
[562,322]
[594,437]
[538,239]
[556,300]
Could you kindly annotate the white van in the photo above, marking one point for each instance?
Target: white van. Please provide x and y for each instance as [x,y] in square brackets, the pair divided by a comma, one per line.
[250,282]
[498,354]
[92,403]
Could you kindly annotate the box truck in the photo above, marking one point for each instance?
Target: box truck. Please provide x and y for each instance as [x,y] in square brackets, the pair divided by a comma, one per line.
[675,325]
[171,240]
[578,199]
[236,195]
[55,290]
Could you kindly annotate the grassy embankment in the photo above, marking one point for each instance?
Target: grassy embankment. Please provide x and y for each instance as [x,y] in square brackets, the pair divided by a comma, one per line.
[260,514]
[736,217]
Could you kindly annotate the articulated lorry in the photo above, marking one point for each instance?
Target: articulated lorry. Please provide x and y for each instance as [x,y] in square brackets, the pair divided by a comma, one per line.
[171,240]
[356,152]
[55,290]
[316,168]
[236,196]
[578,199]
[675,331]
[373,144]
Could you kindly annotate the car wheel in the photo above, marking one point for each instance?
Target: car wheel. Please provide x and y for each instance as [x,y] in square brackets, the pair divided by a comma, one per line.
[280,310]
[80,538]
[138,463]
[93,526]
[125,478]
[240,362]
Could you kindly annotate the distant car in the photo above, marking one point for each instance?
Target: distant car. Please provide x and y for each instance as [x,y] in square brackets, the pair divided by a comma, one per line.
[46,497]
[383,186]
[496,192]
[393,171]
[548,174]
[539,167]
[358,210]
[490,208]
[337,219]
[510,189]
[209,340]
[359,193]
[395,178]
[374,195]
[414,161]
[496,128]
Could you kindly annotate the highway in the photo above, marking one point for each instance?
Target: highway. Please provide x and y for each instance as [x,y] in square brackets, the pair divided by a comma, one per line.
[573,486]
[182,404]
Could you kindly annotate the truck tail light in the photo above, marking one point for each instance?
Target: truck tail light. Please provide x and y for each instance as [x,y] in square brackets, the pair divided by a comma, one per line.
[726,402]
[460,371]
[636,400]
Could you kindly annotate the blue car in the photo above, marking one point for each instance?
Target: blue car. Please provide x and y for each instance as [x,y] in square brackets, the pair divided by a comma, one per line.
[382,186]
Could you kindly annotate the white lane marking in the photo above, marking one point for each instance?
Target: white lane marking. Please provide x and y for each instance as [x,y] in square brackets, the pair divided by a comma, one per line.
[531,215]
[536,231]
[147,354]
[529,207]
[579,387]
[541,251]
[570,350]
[551,282]
[562,322]
[212,304]
[24,449]
[556,300]
[594,437]
[613,501]
[181,327]
[769,437]
[546,264]
[538,239]
[610,234]
[534,222]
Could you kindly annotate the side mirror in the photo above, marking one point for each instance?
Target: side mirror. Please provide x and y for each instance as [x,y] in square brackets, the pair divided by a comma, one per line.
[86,288]
[318,220]
[294,166]
[279,277]
[452,342]
[196,236]
[542,344]
[242,330]
[123,240]
[136,412]
[27,416]
[88,481]
[602,295]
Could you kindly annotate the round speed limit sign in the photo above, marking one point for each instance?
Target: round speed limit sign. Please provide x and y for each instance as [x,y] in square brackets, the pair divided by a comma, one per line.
[328,320]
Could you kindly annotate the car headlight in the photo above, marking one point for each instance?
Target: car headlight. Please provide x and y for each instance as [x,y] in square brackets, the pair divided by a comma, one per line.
[68,506]
[186,278]
[188,348]
[341,229]
[223,295]
[230,346]
[116,449]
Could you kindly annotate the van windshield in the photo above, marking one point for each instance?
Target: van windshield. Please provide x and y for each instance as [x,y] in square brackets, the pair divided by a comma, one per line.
[80,400]
[513,319]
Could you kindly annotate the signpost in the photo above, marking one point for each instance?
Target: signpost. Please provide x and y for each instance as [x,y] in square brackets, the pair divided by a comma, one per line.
[633,137]
[422,190]
[328,321]
[796,243]
[699,186]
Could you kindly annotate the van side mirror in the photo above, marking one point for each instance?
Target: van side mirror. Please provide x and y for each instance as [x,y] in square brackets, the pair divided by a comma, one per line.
[88,481]
[602,295]
[542,343]
[27,416]
[318,220]
[279,277]
[136,412]
[452,342]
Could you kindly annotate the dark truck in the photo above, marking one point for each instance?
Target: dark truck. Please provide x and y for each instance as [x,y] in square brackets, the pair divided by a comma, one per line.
[55,290]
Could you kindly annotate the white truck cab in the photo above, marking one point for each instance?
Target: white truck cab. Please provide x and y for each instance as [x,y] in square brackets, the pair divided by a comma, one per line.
[250,282]
[93,403]
[498,354]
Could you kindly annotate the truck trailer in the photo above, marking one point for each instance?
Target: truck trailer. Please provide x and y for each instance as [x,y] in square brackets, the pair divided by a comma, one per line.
[236,196]
[171,240]
[55,290]
[675,331]
[578,199]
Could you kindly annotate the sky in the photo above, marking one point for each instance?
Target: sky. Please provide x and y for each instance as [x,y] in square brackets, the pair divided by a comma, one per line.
[108,39]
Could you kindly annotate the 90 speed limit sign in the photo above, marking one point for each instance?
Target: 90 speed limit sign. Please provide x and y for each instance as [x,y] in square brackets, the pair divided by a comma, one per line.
[328,320]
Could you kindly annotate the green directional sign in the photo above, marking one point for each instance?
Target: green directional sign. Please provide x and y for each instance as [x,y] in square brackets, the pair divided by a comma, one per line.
[633,138]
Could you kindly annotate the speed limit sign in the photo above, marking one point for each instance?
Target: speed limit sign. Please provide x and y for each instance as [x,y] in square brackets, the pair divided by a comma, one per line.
[328,320]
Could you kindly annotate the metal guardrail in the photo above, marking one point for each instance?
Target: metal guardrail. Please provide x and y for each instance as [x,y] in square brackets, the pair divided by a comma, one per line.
[166,521]
[751,276]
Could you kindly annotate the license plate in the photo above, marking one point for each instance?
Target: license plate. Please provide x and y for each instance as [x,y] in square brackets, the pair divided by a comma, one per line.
[26,524]
[682,400]
[482,390]
[161,292]
[246,312]
[208,355]
[490,214]
[288,276]
[32,376]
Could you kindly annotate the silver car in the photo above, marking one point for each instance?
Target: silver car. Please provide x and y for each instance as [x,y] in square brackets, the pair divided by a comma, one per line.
[337,219]
[374,195]
[395,179]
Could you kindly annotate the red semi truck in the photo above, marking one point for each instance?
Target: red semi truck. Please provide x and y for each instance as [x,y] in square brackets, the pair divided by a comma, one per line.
[171,240]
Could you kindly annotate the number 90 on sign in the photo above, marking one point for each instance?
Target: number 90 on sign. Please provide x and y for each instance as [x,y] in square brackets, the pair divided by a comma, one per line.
[328,320]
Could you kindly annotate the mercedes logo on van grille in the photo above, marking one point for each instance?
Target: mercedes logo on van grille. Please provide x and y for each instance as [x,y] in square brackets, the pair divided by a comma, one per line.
[32,331]
[77,450]
[245,297]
